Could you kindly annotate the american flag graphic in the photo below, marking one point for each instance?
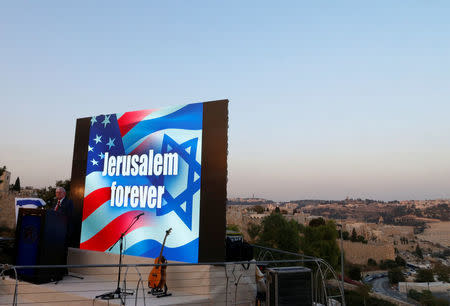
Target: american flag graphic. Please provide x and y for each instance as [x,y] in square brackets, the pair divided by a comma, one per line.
[169,130]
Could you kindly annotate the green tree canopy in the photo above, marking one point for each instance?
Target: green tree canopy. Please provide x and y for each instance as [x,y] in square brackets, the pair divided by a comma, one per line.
[442,271]
[278,233]
[400,261]
[253,230]
[48,193]
[355,273]
[388,264]
[320,241]
[233,227]
[345,235]
[371,262]
[426,298]
[361,238]
[354,237]
[424,275]
[419,252]
[414,294]
[395,275]
[317,222]
[16,186]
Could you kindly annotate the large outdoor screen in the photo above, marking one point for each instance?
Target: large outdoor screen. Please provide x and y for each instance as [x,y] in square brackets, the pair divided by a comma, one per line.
[149,162]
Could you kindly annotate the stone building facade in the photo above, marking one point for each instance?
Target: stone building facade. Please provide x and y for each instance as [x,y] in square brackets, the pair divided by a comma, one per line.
[5,178]
[359,253]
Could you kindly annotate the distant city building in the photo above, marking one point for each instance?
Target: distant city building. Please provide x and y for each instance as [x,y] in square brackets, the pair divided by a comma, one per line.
[5,178]
[380,220]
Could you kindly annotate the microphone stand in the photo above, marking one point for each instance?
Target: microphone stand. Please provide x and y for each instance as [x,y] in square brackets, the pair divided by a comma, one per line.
[119,293]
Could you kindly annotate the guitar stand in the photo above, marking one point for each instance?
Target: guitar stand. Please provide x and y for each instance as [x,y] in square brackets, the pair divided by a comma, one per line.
[159,292]
[119,293]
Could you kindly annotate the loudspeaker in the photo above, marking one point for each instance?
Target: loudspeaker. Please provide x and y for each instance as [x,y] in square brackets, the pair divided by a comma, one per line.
[238,250]
[289,286]
[40,240]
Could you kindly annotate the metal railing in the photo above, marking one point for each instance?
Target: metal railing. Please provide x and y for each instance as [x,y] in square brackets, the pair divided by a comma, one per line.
[323,273]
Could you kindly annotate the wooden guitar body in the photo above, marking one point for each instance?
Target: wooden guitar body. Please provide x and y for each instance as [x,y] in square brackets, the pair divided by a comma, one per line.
[157,276]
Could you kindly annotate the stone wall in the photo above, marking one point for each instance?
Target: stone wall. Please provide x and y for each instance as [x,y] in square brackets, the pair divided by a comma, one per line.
[432,286]
[5,179]
[359,253]
[7,212]
[7,209]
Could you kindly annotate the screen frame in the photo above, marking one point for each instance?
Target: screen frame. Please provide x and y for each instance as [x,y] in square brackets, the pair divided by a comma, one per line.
[213,190]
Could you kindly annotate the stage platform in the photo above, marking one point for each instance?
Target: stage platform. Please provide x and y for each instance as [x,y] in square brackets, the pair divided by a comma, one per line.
[74,291]
[189,285]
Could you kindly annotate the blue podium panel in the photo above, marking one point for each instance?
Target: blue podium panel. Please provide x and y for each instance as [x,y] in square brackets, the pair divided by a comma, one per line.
[40,240]
[28,242]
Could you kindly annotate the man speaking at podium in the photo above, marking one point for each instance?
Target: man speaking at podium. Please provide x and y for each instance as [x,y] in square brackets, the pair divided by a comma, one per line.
[64,205]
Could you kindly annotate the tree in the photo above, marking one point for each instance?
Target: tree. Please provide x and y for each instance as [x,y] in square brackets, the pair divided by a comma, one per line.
[424,275]
[355,273]
[64,184]
[400,261]
[414,294]
[361,239]
[345,235]
[16,186]
[419,252]
[388,264]
[2,169]
[277,232]
[361,297]
[395,275]
[371,262]
[317,222]
[233,227]
[354,237]
[48,193]
[320,241]
[277,210]
[426,298]
[258,209]
[253,230]
[443,272]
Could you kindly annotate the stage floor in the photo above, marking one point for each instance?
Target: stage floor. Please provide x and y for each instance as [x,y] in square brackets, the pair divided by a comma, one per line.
[189,284]
[74,291]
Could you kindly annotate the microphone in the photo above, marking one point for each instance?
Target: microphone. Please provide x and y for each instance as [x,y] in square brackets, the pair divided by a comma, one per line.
[138,216]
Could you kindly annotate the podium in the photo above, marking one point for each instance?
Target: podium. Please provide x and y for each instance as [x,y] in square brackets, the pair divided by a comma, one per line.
[41,239]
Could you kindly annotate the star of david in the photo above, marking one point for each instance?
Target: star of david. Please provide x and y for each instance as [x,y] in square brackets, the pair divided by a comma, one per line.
[193,183]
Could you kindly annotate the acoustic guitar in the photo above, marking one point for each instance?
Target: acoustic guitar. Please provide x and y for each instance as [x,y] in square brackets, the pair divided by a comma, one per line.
[157,276]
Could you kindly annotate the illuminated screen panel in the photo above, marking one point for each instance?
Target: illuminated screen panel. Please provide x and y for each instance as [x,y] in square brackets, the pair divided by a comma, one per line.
[147,162]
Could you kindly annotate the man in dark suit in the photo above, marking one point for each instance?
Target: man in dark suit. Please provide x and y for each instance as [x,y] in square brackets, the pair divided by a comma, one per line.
[64,205]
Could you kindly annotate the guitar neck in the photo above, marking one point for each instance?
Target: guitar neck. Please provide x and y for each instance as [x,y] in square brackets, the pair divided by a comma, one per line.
[162,247]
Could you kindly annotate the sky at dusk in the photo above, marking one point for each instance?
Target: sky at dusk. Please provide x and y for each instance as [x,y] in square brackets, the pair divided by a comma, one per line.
[328,100]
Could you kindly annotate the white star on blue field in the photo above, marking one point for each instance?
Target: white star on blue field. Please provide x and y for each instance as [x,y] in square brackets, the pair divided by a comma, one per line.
[111,143]
[98,139]
[104,136]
